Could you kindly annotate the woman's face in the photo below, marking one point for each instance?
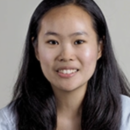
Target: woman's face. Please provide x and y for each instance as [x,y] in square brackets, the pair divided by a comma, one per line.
[67,47]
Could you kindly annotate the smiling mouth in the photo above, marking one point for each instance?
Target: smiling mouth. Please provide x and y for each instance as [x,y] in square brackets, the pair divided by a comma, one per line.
[67,71]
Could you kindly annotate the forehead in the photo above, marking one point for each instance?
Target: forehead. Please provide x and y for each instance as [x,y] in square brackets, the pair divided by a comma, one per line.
[67,18]
[67,10]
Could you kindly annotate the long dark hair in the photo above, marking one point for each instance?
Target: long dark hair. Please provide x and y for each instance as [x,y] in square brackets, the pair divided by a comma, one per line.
[33,98]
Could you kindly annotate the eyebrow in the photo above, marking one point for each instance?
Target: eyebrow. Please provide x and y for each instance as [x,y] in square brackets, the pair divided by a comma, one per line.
[73,34]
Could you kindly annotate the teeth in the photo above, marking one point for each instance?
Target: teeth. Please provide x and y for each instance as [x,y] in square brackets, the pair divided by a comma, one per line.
[67,71]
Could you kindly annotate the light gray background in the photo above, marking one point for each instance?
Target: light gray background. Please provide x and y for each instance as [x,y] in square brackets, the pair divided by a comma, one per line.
[14,19]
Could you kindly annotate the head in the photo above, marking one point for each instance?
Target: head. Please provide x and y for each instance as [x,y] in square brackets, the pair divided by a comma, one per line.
[79,17]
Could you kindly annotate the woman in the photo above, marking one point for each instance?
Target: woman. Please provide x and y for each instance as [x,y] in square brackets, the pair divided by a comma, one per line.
[69,78]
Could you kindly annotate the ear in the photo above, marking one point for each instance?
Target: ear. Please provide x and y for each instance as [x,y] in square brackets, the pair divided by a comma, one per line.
[35,46]
[100,49]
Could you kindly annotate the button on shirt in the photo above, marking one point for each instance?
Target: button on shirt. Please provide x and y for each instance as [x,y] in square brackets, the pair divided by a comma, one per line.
[8,118]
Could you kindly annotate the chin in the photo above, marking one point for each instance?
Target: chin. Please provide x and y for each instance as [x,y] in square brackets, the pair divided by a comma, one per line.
[71,88]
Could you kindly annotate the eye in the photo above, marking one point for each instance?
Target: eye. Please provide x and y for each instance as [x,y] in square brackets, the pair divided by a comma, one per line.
[52,42]
[78,42]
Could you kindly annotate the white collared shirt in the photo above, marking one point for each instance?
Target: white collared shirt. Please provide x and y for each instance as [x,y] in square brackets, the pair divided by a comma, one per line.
[7,118]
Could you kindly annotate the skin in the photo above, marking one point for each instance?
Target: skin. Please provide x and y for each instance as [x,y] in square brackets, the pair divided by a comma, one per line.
[67,48]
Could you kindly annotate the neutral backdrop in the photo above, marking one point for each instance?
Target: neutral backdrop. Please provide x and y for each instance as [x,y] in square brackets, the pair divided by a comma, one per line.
[14,19]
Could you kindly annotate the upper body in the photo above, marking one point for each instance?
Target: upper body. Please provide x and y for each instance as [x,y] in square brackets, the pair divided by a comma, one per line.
[69,78]
[8,119]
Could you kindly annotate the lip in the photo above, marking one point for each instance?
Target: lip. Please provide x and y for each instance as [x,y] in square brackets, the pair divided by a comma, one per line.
[66,75]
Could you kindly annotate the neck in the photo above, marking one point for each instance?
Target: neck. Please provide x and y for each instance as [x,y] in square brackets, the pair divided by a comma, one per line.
[69,104]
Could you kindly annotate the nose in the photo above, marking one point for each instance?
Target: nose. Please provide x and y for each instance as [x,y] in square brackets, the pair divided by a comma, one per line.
[66,54]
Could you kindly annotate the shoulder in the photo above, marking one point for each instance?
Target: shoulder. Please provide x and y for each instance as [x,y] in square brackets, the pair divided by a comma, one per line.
[7,119]
[125,122]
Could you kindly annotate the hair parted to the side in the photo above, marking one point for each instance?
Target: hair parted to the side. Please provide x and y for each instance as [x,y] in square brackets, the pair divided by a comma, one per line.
[33,98]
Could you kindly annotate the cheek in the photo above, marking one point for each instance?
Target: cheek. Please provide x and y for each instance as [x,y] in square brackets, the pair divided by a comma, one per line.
[89,57]
[45,58]
[90,53]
